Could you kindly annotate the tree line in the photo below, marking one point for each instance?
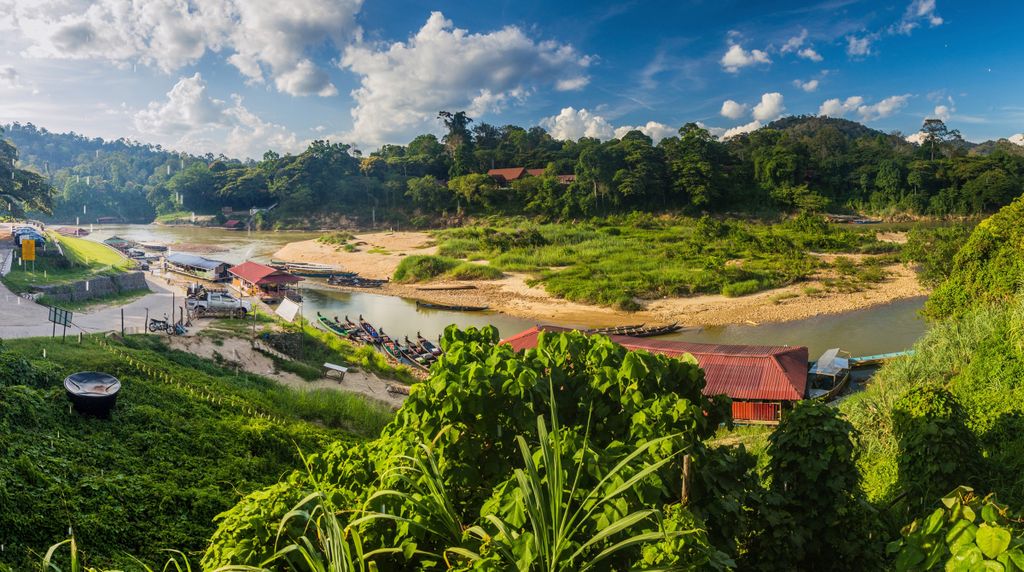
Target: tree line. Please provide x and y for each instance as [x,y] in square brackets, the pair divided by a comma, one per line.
[801,163]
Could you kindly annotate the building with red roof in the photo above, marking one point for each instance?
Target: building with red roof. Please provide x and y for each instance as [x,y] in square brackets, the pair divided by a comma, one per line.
[761,380]
[505,176]
[254,279]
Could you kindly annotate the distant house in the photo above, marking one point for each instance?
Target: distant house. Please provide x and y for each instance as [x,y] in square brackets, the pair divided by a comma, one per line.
[761,380]
[268,283]
[227,210]
[504,177]
[119,243]
[108,220]
[197,266]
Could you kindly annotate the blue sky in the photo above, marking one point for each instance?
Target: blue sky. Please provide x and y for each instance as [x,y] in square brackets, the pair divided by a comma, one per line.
[241,76]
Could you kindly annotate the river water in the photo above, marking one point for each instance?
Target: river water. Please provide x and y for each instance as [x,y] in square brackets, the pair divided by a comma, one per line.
[887,328]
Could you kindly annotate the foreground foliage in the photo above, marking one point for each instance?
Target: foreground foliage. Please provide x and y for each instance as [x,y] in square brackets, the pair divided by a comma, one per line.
[154,475]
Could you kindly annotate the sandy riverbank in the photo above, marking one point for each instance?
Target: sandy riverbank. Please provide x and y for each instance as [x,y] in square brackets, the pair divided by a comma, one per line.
[512,295]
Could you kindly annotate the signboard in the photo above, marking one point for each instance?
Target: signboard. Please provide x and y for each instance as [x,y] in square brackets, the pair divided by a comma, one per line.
[287,310]
[28,250]
[60,316]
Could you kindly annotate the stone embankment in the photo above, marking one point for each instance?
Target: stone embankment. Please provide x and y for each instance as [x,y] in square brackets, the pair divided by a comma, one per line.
[96,287]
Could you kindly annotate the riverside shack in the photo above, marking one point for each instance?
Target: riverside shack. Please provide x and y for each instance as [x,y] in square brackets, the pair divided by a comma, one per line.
[761,380]
[269,284]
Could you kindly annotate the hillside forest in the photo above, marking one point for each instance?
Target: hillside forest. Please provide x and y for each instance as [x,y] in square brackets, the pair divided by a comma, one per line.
[804,163]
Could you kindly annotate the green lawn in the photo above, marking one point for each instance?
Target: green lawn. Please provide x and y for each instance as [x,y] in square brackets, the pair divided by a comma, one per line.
[82,259]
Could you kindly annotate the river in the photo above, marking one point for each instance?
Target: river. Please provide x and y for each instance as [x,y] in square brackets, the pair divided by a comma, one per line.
[890,327]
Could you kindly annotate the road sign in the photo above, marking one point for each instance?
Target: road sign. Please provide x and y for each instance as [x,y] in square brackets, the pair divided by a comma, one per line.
[28,250]
[60,316]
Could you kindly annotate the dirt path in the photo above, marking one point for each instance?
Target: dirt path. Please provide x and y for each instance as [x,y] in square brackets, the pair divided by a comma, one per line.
[240,353]
[512,295]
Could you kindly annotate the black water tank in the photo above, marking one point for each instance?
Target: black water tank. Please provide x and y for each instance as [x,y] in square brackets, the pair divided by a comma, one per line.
[92,392]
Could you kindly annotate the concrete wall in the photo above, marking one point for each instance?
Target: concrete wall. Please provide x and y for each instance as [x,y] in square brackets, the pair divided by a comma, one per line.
[99,287]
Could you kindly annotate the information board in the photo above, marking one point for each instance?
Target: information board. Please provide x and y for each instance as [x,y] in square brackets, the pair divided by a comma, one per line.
[28,250]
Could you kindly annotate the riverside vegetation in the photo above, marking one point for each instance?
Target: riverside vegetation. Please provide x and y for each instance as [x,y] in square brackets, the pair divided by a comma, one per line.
[792,164]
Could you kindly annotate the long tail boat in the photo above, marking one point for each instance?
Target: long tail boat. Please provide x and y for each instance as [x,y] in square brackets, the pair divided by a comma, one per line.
[428,345]
[450,308]
[422,351]
[414,357]
[638,331]
[370,330]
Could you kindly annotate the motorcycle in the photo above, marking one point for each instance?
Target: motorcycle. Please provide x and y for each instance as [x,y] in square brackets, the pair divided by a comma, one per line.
[156,325]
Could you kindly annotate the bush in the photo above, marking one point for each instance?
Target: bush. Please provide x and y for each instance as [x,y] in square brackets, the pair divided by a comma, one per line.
[420,268]
[741,288]
[470,271]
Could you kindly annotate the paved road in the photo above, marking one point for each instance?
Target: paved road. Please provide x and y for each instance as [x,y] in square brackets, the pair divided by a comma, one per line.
[21,318]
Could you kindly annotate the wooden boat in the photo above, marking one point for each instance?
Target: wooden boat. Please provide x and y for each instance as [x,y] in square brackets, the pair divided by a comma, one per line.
[433,306]
[427,345]
[92,392]
[418,347]
[309,270]
[354,281]
[639,331]
[153,247]
[446,287]
[370,330]
[336,327]
[391,347]
[413,357]
[877,359]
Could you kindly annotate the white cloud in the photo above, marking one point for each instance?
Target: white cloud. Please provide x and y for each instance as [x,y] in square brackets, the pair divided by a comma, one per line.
[1017,139]
[838,107]
[656,131]
[808,86]
[741,129]
[404,84]
[943,112]
[770,107]
[736,57]
[190,118]
[810,54]
[716,131]
[570,125]
[733,110]
[857,47]
[917,138]
[793,44]
[265,38]
[884,108]
[918,11]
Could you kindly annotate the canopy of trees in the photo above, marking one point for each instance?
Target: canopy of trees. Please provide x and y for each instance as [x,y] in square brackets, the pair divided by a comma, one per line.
[794,164]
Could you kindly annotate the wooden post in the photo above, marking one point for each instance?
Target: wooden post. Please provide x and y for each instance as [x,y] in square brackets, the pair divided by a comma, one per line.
[684,495]
[122,321]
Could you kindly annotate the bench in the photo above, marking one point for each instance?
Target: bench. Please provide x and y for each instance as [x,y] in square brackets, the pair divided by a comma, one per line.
[340,369]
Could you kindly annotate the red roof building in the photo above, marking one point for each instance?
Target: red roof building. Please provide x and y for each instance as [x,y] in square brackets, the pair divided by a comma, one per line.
[254,279]
[235,224]
[759,379]
[505,176]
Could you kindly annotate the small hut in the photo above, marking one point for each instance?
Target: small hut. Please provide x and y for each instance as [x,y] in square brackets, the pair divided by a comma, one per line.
[119,243]
[270,284]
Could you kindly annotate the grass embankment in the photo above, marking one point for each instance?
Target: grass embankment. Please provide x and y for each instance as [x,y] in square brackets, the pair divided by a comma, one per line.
[615,261]
[83,259]
[174,454]
[421,268]
[309,347]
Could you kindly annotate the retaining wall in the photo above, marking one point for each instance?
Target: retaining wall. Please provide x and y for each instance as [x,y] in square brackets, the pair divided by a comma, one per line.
[100,286]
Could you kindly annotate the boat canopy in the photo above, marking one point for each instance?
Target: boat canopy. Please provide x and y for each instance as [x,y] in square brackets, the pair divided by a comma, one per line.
[830,364]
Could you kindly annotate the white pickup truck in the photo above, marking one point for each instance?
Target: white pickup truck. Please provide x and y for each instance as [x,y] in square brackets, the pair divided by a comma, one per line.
[218,303]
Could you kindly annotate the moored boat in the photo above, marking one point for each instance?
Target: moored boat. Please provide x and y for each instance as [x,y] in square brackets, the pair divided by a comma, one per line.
[428,345]
[450,308]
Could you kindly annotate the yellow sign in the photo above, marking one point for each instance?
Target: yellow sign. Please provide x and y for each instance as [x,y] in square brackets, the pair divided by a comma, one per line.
[28,250]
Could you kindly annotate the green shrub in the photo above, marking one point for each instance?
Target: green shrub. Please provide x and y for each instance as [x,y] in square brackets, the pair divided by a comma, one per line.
[420,268]
[741,288]
[470,271]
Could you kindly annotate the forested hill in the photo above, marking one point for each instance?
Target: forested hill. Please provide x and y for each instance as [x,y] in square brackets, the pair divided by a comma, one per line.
[801,163]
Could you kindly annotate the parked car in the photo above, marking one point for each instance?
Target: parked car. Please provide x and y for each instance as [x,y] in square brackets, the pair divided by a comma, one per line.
[218,303]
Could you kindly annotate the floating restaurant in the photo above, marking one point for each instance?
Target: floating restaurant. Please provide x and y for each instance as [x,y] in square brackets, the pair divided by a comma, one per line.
[268,283]
[761,380]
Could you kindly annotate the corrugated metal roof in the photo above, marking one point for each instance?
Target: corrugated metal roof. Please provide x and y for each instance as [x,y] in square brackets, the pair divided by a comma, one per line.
[769,373]
[508,173]
[194,261]
[258,273]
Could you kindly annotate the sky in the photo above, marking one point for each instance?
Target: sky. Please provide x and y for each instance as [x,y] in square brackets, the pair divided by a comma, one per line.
[240,77]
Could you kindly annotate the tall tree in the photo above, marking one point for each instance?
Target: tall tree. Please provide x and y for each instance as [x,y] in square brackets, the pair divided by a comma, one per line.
[458,141]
